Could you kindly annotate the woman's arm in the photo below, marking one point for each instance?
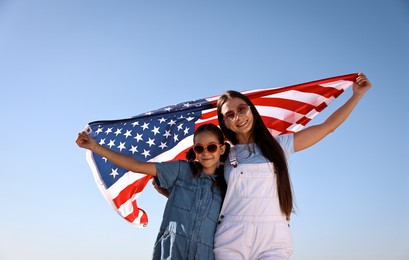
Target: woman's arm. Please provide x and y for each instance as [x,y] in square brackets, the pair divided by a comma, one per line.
[124,161]
[313,134]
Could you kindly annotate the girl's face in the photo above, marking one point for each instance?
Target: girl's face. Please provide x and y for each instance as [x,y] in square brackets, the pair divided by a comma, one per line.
[204,142]
[237,117]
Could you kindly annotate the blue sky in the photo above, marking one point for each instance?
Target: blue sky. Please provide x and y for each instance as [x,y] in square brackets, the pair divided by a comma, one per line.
[66,63]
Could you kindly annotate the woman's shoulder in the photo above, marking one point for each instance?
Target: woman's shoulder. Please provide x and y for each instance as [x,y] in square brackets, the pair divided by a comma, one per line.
[287,143]
[284,138]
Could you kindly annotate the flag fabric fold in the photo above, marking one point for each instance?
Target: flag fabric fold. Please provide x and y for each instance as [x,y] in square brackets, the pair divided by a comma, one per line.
[166,134]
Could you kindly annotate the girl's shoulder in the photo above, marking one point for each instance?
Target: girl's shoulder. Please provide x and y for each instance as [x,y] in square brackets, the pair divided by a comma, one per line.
[173,166]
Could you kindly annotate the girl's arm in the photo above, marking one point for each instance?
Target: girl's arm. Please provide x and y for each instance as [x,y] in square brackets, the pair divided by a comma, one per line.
[160,190]
[313,134]
[124,161]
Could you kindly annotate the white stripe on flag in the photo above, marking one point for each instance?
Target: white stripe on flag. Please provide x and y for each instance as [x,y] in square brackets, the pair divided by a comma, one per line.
[279,113]
[127,208]
[172,153]
[309,98]
[123,182]
[340,84]
[137,220]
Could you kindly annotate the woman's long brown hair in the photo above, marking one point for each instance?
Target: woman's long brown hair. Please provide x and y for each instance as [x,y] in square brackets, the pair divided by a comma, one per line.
[269,147]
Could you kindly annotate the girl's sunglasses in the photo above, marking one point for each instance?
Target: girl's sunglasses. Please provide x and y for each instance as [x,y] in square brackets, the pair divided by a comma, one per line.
[211,148]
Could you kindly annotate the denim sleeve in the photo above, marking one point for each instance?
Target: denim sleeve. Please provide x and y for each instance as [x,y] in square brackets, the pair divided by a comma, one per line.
[168,173]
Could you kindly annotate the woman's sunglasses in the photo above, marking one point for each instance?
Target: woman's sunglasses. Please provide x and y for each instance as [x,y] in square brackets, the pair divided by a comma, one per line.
[241,110]
[211,148]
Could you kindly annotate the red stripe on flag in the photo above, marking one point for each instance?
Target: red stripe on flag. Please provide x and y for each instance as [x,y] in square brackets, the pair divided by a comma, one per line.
[133,188]
[209,114]
[317,89]
[303,121]
[338,93]
[321,107]
[293,105]
[135,213]
[303,87]
[276,124]
[211,121]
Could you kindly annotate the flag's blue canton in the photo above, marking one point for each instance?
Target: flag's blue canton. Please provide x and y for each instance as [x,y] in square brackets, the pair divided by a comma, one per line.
[145,136]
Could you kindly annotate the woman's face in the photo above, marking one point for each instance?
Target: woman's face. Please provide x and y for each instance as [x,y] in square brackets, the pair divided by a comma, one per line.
[237,117]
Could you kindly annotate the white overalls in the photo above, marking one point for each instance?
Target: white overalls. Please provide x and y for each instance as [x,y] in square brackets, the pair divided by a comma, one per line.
[251,224]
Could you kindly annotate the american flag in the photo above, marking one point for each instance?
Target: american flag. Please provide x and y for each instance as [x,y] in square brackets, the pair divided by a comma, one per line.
[166,134]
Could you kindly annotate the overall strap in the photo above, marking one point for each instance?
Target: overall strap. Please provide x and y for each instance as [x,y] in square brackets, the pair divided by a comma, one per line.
[233,157]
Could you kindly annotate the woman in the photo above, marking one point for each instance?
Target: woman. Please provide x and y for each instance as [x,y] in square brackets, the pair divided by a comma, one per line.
[253,222]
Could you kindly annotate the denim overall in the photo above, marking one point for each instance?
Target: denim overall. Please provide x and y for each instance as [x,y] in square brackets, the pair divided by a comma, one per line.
[191,214]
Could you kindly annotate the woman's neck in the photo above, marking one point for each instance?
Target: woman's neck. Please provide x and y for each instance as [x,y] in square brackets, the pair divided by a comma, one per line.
[244,139]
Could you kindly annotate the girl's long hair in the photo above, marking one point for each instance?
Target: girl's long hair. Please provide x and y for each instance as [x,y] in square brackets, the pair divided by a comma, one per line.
[269,147]
[197,167]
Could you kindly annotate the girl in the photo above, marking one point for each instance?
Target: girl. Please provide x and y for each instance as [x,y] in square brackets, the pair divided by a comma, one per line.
[196,189]
[258,203]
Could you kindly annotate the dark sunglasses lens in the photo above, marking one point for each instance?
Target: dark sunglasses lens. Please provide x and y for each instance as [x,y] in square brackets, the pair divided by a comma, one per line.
[212,148]
[198,148]
[243,109]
